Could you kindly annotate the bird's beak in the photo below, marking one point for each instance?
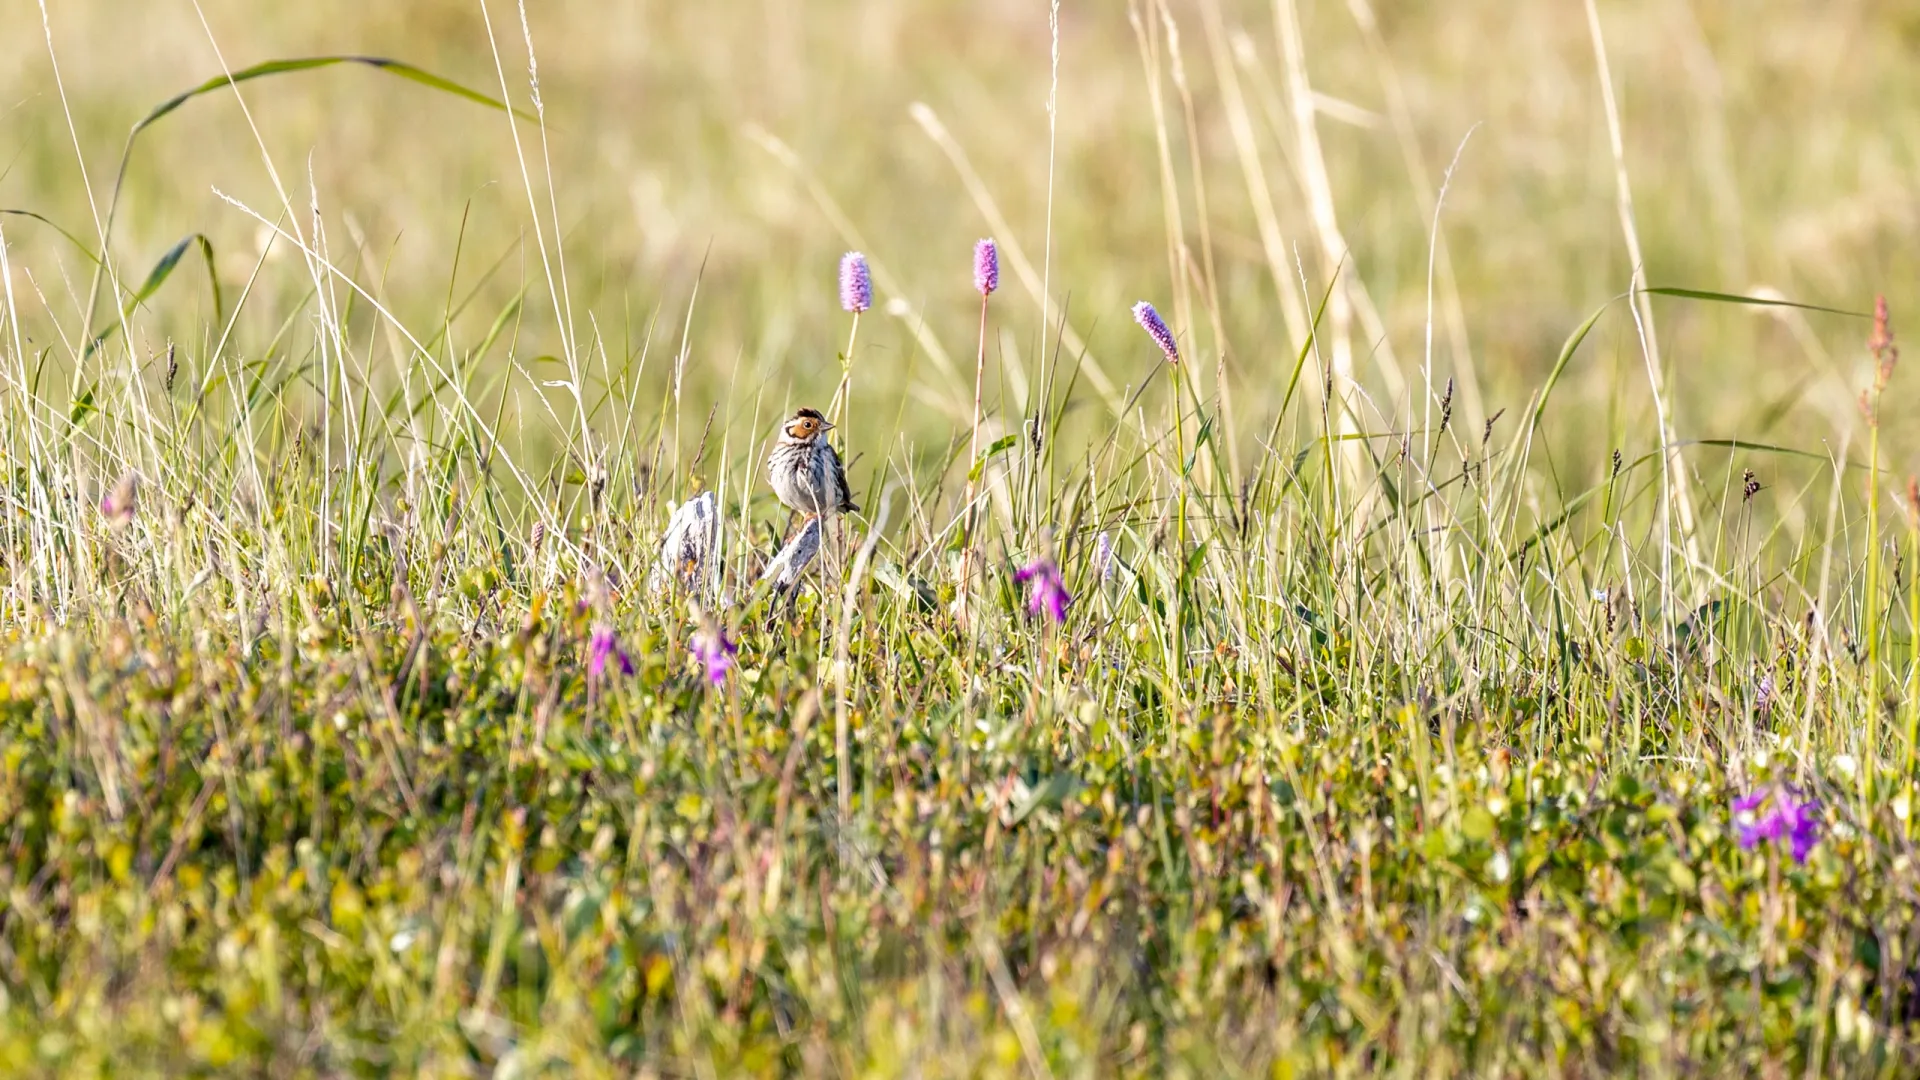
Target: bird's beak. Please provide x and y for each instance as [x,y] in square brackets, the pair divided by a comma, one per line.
[824,426]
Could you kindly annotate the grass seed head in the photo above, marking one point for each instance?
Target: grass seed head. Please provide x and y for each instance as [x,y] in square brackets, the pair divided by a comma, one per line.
[1881,344]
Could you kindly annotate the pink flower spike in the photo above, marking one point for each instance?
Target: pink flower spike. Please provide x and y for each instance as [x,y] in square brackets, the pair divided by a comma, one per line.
[119,505]
[1778,813]
[1046,590]
[605,648]
[986,267]
[716,652]
[1156,328]
[856,283]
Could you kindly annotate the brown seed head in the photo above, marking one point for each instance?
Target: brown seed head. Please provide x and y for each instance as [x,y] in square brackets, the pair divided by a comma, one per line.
[1880,343]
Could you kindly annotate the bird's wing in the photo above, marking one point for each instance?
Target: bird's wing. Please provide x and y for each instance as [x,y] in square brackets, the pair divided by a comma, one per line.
[840,480]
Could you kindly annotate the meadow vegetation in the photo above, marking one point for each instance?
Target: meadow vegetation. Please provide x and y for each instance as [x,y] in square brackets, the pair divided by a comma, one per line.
[1483,643]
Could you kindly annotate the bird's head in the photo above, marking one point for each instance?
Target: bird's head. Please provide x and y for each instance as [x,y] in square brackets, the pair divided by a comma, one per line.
[807,425]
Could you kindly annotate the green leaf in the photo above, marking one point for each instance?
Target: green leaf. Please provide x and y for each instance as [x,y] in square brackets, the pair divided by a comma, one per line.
[48,222]
[158,277]
[1567,350]
[1730,298]
[1682,877]
[1051,792]
[1196,562]
[83,407]
[1477,825]
[311,63]
[1702,616]
[259,71]
[999,446]
[1766,448]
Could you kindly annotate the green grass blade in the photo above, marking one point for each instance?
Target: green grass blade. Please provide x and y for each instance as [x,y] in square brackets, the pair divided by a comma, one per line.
[313,63]
[259,71]
[158,276]
[1755,301]
[48,222]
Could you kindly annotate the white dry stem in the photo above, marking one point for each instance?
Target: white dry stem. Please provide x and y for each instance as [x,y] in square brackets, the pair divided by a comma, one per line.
[1348,298]
[883,281]
[552,263]
[1259,190]
[480,421]
[1015,255]
[842,666]
[1675,497]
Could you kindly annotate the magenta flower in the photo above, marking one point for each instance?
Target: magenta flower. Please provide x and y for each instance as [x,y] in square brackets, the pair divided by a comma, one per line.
[986,267]
[1777,813]
[1046,591]
[606,647]
[856,283]
[714,650]
[119,505]
[1156,328]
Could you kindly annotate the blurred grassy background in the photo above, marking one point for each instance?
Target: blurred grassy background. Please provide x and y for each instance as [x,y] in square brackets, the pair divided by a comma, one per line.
[1309,661]
[1771,148]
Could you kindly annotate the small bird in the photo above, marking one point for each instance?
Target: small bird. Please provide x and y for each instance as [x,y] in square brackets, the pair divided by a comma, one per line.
[805,471]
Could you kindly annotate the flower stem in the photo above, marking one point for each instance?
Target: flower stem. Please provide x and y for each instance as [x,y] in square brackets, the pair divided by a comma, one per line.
[1180,527]
[843,396]
[973,466]
[1872,607]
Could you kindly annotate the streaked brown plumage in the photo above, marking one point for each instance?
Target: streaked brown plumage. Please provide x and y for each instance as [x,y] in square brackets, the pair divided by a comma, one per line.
[805,471]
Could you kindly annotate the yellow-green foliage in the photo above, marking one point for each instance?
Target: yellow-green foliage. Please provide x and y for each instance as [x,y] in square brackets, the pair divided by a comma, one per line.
[1457,589]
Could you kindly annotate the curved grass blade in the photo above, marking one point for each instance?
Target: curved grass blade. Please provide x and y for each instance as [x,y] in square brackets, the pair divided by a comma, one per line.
[158,276]
[1763,448]
[1567,350]
[1293,384]
[1574,505]
[258,71]
[1523,438]
[312,63]
[1730,298]
[1525,435]
[83,407]
[48,222]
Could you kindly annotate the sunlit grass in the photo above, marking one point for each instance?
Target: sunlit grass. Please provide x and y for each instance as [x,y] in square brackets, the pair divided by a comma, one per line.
[1433,597]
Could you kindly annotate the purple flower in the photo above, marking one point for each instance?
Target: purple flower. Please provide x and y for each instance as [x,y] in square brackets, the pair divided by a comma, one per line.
[1103,557]
[986,267]
[1046,591]
[119,505]
[606,647]
[715,651]
[1777,813]
[856,283]
[1156,328]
